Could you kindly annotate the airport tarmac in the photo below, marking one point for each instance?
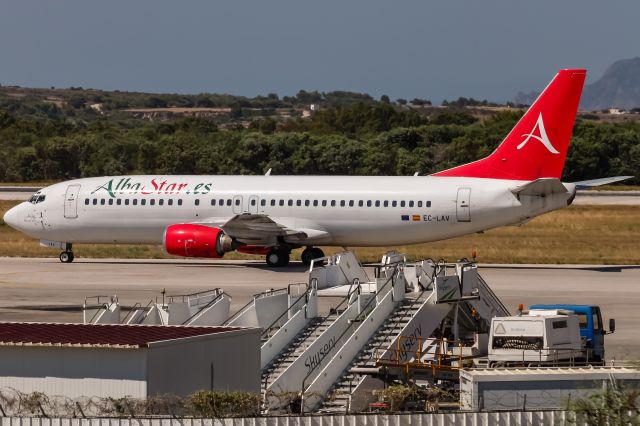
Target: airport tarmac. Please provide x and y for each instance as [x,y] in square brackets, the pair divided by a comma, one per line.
[46,290]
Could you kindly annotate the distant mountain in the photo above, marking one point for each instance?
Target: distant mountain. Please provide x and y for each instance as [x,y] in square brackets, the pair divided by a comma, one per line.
[619,87]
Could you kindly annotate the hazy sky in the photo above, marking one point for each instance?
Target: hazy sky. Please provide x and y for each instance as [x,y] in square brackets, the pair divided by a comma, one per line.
[481,48]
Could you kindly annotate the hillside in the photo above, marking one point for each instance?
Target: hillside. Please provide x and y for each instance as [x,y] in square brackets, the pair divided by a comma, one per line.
[619,87]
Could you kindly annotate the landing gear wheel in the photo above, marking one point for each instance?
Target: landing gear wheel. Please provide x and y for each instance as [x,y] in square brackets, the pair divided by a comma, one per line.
[66,257]
[316,254]
[277,258]
[307,256]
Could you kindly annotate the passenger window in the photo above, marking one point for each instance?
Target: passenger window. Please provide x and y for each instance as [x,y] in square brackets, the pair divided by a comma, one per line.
[161,201]
[197,202]
[351,203]
[281,203]
[86,201]
[273,202]
[213,202]
[428,203]
[170,201]
[324,203]
[368,203]
[221,202]
[402,203]
[152,202]
[377,203]
[253,202]
[307,203]
[419,203]
[135,201]
[410,203]
[263,203]
[143,202]
[342,203]
[333,203]
[290,203]
[228,201]
[110,201]
[315,203]
[360,203]
[126,202]
[298,203]
[237,201]
[386,203]
[102,201]
[95,201]
[394,203]
[180,202]
[118,201]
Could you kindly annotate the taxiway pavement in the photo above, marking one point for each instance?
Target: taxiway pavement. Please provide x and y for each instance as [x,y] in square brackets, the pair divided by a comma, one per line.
[46,290]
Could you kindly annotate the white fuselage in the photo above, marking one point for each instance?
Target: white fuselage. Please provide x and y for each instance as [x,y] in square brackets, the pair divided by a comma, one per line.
[332,210]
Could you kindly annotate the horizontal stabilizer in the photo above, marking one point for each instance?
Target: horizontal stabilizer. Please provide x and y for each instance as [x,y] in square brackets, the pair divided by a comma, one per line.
[597,182]
[540,187]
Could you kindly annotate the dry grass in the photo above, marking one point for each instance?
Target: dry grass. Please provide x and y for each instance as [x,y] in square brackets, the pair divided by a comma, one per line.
[578,234]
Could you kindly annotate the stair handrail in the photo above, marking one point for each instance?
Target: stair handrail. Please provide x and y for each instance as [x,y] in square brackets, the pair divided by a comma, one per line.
[100,306]
[362,311]
[148,306]
[221,293]
[305,295]
[185,297]
[332,311]
[255,297]
[133,309]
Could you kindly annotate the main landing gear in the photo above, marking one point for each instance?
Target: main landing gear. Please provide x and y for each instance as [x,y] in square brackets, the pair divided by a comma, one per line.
[66,256]
[278,257]
[309,254]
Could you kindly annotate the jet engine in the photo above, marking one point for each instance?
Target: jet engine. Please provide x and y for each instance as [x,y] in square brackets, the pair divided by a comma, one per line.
[189,240]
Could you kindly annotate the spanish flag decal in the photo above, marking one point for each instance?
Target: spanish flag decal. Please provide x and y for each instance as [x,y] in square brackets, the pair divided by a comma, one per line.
[416,217]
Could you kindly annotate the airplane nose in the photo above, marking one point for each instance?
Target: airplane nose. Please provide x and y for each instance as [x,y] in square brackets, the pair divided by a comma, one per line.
[12,217]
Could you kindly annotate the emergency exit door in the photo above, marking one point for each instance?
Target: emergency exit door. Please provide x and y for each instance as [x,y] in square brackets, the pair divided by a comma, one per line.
[463,206]
[71,202]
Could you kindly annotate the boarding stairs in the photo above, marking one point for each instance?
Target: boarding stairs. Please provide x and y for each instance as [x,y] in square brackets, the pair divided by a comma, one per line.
[101,310]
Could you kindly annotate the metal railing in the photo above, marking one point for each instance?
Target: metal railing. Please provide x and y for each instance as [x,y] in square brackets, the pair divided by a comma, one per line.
[146,309]
[265,332]
[220,294]
[98,306]
[359,317]
[354,288]
[252,302]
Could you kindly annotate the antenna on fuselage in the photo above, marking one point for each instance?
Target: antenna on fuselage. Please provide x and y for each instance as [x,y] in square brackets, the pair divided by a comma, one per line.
[268,172]
[416,174]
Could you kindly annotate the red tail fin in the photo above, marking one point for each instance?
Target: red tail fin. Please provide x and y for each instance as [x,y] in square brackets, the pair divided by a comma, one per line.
[537,146]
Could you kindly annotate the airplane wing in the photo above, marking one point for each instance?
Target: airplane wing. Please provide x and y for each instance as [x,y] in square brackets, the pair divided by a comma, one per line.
[261,229]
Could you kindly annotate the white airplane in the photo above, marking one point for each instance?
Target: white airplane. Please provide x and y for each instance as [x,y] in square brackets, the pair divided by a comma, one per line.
[207,216]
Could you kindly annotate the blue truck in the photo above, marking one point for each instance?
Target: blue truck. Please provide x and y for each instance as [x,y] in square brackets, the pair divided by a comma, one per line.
[591,327]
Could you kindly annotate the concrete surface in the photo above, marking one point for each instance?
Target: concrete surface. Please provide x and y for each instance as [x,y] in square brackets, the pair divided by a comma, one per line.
[47,290]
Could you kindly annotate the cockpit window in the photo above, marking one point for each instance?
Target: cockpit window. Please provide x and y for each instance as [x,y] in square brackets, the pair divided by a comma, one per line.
[35,199]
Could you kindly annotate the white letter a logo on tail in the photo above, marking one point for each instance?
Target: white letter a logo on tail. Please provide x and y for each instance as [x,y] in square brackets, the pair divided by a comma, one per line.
[542,138]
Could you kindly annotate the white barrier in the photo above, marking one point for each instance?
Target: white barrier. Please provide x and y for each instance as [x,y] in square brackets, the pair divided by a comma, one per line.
[503,418]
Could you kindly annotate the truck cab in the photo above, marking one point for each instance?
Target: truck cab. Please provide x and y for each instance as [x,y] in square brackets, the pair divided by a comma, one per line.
[591,329]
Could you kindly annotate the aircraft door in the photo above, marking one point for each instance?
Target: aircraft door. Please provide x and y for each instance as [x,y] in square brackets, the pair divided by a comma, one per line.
[71,202]
[253,204]
[463,205]
[237,204]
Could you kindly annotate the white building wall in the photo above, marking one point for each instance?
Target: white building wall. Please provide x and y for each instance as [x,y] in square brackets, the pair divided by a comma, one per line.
[184,366]
[74,372]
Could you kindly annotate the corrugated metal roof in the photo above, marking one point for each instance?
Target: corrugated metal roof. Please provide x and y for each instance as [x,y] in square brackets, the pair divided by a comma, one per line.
[97,335]
[523,373]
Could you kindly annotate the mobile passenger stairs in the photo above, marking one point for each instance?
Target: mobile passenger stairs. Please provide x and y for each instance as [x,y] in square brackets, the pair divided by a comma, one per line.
[312,362]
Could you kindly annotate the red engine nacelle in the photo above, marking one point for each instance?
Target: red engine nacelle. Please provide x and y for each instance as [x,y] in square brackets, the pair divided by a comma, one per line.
[190,240]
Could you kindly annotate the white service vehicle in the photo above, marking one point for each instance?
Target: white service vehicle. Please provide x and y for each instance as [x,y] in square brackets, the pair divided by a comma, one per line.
[537,338]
